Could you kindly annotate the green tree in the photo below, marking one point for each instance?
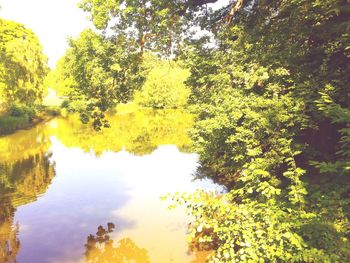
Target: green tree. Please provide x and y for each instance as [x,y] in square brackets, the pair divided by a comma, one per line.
[22,65]
[164,86]
[137,26]
[58,79]
[93,74]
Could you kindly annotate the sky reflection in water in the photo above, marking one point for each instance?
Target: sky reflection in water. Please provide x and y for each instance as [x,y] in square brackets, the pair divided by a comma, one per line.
[64,180]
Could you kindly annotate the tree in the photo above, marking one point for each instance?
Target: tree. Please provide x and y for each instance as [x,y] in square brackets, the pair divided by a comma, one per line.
[143,21]
[59,78]
[93,74]
[22,65]
[137,26]
[134,26]
[164,86]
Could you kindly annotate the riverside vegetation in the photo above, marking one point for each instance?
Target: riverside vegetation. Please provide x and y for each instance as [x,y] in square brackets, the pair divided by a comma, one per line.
[22,72]
[268,84]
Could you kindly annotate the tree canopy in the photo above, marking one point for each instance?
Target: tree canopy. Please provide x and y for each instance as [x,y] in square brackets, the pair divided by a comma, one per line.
[91,73]
[164,86]
[22,65]
[153,24]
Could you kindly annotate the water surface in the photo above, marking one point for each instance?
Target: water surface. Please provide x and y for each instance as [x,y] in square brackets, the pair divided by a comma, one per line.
[70,194]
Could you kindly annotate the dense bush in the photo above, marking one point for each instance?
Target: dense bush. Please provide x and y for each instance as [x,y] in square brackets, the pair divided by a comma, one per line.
[273,126]
[18,110]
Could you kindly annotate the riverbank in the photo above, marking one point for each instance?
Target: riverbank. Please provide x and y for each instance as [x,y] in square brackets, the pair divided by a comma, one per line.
[10,124]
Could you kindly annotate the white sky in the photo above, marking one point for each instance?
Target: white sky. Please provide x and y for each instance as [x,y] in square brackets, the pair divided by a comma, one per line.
[51,20]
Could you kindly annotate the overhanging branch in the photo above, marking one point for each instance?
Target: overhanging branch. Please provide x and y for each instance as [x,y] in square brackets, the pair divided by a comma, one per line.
[235,7]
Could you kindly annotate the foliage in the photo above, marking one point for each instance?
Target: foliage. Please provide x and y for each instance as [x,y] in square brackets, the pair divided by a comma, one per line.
[266,121]
[164,87]
[11,123]
[132,28]
[18,110]
[338,115]
[59,79]
[92,73]
[22,65]
[18,116]
[271,91]
[140,21]
[251,231]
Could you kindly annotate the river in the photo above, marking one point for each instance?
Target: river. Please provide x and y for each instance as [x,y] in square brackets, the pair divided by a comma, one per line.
[71,194]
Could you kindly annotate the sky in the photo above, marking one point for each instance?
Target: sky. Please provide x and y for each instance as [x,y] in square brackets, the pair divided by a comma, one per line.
[51,20]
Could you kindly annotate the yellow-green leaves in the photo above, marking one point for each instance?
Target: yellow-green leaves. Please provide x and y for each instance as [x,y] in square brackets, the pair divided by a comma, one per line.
[97,73]
[22,65]
[164,86]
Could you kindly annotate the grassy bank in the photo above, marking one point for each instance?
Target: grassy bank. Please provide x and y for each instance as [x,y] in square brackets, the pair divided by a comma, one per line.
[9,122]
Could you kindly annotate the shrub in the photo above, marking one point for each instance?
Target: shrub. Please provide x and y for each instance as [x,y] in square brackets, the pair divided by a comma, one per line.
[19,110]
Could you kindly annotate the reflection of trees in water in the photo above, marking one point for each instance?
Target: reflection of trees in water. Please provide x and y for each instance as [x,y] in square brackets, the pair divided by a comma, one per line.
[25,179]
[100,249]
[140,132]
[21,181]
[9,243]
[24,144]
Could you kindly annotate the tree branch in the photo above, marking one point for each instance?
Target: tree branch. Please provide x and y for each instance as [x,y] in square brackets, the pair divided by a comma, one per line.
[234,8]
[144,39]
